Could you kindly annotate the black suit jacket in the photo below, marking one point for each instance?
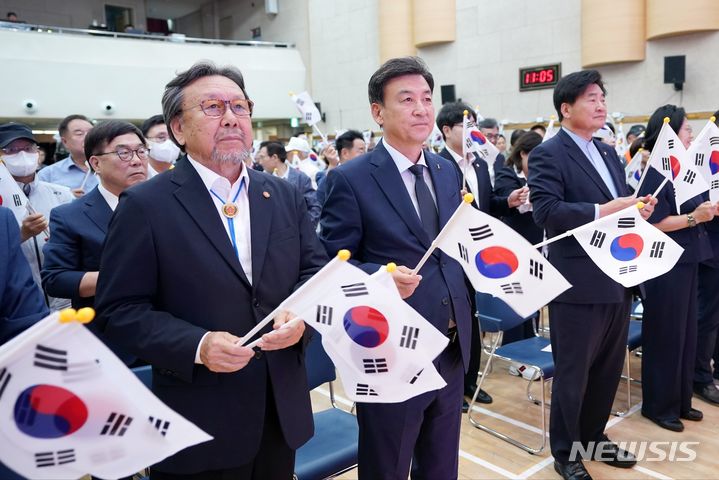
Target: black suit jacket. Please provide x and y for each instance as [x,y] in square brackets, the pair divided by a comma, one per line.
[489,203]
[169,274]
[565,187]
[505,182]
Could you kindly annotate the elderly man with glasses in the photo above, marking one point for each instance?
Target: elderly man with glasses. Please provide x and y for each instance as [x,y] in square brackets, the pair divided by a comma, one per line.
[194,259]
[118,153]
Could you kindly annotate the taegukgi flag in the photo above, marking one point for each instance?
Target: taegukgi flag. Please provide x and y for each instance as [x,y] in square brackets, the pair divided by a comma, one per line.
[499,261]
[11,196]
[704,153]
[633,170]
[310,114]
[382,348]
[70,407]
[628,248]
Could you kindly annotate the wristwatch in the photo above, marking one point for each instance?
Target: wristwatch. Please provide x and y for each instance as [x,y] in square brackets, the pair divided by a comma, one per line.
[691,221]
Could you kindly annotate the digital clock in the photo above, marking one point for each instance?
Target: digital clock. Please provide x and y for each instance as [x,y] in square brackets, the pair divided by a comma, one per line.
[534,78]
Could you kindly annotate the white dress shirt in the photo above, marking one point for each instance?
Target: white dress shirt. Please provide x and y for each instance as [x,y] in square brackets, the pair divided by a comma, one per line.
[111,199]
[403,163]
[470,174]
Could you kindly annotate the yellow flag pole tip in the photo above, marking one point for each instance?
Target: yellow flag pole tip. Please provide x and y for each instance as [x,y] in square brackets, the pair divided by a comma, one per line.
[666,119]
[67,315]
[84,315]
[552,117]
[391,267]
[343,255]
[713,119]
[466,112]
[468,198]
[640,205]
[291,93]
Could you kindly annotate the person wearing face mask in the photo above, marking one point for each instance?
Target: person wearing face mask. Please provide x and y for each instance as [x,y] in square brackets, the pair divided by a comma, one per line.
[163,152]
[19,153]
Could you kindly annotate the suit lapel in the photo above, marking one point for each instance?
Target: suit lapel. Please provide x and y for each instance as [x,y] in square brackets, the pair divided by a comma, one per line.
[439,180]
[390,182]
[448,156]
[576,154]
[97,209]
[261,207]
[195,199]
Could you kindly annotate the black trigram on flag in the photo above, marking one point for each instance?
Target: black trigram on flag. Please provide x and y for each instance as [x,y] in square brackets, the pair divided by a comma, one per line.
[666,164]
[598,239]
[16,200]
[626,222]
[308,116]
[82,371]
[480,233]
[160,425]
[715,184]
[657,250]
[699,159]
[116,425]
[409,337]
[355,290]
[299,101]
[670,143]
[414,379]
[50,459]
[324,314]
[375,365]
[364,390]
[51,358]
[713,140]
[512,288]
[5,377]
[689,177]
[536,268]
[629,269]
[463,252]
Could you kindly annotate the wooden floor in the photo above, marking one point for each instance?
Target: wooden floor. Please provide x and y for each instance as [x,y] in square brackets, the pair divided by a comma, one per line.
[483,456]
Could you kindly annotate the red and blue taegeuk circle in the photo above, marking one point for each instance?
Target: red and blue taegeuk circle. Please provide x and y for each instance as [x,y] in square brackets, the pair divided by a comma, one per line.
[366,326]
[714,162]
[477,137]
[48,411]
[313,156]
[676,166]
[626,247]
[496,262]
[637,174]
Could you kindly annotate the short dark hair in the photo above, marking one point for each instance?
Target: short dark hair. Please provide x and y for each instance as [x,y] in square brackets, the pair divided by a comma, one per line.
[654,125]
[393,68]
[172,97]
[274,148]
[488,123]
[451,114]
[105,132]
[635,146]
[347,139]
[572,86]
[538,126]
[526,142]
[515,136]
[65,123]
[151,122]
[11,14]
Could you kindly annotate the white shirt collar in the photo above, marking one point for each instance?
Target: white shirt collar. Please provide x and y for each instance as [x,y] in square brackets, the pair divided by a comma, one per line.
[212,180]
[457,157]
[109,197]
[403,163]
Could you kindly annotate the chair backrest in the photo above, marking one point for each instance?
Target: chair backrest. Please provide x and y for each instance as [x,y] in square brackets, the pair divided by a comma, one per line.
[495,315]
[144,373]
[320,368]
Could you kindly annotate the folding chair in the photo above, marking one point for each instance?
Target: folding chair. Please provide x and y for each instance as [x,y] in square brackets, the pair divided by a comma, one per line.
[144,373]
[634,341]
[333,448]
[496,317]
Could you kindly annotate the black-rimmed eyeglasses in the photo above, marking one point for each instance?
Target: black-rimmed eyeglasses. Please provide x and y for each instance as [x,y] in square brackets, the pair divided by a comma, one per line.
[125,154]
[214,107]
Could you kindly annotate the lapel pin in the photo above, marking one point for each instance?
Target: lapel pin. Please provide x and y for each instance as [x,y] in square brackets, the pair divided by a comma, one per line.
[438,167]
[266,194]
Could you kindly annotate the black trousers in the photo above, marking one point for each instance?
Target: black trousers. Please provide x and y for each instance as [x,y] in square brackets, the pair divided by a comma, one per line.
[588,346]
[707,324]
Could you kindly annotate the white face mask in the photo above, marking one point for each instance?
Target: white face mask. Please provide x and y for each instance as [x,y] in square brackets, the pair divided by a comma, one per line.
[166,151]
[21,164]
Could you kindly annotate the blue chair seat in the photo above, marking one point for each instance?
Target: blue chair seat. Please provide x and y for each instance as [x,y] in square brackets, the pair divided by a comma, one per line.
[528,352]
[331,449]
[634,339]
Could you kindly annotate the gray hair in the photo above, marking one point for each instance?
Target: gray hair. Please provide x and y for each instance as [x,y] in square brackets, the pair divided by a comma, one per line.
[393,68]
[172,97]
[488,123]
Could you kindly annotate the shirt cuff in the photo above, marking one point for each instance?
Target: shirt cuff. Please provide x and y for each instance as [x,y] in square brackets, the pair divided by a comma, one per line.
[197,353]
[596,211]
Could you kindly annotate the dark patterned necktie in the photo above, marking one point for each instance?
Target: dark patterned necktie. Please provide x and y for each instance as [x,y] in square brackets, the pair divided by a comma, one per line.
[427,208]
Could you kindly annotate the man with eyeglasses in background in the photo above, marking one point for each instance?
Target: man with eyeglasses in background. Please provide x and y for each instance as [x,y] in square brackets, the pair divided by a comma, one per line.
[19,153]
[73,171]
[490,129]
[194,259]
[118,152]
[163,151]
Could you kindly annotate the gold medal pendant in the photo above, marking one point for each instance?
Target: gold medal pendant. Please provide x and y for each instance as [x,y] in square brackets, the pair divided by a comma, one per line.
[230,210]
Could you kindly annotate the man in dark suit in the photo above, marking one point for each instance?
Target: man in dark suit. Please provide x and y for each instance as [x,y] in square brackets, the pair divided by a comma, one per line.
[21,302]
[193,260]
[388,206]
[478,183]
[574,180]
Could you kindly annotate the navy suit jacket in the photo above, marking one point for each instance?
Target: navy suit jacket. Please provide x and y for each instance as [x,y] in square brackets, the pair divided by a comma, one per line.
[21,301]
[169,275]
[489,203]
[565,187]
[369,212]
[304,185]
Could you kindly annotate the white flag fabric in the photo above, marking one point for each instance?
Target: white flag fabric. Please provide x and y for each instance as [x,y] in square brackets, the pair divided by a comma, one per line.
[621,145]
[704,154]
[70,407]
[551,130]
[499,261]
[633,170]
[308,110]
[670,159]
[435,139]
[628,248]
[475,141]
[11,196]
[382,348]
